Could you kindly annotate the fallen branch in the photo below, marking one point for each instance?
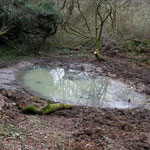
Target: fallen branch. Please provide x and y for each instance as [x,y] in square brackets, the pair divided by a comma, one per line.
[46,110]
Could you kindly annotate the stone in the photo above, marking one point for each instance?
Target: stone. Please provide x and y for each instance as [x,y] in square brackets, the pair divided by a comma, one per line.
[111,75]
[9,94]
[10,105]
[2,102]
[99,69]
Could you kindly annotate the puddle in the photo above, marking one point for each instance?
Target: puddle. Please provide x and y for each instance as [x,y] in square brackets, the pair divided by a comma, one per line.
[80,88]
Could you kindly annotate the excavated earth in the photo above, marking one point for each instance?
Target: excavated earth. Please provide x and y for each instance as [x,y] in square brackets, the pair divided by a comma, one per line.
[81,128]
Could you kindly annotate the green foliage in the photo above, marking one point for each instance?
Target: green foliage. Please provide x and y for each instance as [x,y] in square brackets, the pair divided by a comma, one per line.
[9,53]
[139,46]
[20,19]
[46,110]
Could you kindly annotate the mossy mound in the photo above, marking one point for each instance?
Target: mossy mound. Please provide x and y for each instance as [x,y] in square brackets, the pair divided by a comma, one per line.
[30,109]
[46,110]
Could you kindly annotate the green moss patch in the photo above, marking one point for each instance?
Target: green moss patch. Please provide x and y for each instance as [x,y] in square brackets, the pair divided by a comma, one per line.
[46,110]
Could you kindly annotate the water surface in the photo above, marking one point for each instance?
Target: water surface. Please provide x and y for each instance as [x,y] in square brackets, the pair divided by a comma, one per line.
[81,88]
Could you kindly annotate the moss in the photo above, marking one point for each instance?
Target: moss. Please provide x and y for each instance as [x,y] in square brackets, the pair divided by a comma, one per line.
[49,111]
[46,110]
[99,56]
[67,106]
[30,110]
[57,106]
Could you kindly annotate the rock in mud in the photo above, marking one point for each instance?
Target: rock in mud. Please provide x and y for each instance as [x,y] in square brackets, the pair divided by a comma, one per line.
[2,101]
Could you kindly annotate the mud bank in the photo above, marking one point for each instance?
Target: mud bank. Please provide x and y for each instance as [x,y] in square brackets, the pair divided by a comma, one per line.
[80,128]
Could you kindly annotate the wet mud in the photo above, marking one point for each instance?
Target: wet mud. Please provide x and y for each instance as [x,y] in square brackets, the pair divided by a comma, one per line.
[81,128]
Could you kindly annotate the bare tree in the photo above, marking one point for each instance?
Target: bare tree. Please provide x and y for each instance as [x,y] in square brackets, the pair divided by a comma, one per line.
[117,5]
[102,13]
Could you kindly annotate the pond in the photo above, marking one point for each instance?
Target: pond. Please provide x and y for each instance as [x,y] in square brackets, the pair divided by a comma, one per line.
[80,88]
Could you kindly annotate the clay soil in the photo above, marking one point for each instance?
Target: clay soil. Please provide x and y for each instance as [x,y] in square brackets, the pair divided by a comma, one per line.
[80,128]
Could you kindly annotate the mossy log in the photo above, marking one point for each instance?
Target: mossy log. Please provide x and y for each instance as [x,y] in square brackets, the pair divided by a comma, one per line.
[46,110]
[30,109]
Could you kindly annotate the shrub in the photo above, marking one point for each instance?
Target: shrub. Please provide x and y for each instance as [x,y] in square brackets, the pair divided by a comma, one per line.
[20,19]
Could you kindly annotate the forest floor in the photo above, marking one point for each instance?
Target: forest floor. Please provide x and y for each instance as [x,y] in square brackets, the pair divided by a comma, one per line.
[81,128]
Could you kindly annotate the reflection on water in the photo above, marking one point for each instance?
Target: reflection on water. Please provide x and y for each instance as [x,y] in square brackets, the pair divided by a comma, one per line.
[80,88]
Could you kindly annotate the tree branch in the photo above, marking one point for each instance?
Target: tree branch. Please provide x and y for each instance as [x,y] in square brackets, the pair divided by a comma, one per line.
[79,32]
[4,32]
[84,19]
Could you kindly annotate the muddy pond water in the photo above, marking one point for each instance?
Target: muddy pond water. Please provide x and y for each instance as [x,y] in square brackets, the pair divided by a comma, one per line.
[80,88]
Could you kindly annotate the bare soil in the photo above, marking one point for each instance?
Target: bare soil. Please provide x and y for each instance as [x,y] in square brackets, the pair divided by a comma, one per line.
[80,128]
